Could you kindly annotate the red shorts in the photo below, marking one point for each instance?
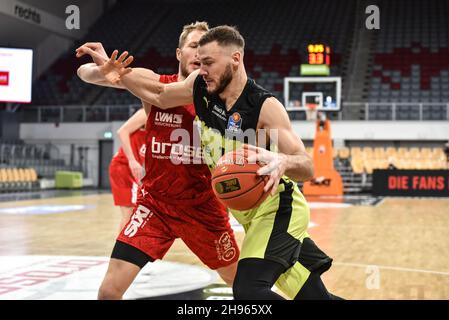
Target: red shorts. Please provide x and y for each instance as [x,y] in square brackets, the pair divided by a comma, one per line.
[204,228]
[124,187]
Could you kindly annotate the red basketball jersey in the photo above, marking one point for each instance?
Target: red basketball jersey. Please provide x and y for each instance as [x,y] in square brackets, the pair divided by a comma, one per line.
[174,168]
[137,139]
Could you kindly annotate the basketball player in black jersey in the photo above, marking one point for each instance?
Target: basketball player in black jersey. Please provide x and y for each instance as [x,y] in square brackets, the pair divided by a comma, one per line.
[277,248]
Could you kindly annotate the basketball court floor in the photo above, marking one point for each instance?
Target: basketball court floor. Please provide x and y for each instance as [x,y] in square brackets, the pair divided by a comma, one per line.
[55,245]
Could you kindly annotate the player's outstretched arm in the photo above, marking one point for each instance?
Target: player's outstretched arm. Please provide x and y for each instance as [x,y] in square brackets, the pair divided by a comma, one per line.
[133,124]
[292,158]
[90,72]
[153,92]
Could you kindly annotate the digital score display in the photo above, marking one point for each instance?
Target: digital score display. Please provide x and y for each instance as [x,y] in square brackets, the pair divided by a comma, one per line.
[319,53]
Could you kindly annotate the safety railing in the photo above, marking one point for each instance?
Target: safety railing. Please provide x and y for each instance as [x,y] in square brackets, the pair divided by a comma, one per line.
[393,111]
[59,114]
[371,111]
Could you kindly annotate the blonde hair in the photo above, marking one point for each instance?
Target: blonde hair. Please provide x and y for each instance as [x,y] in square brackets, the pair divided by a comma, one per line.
[187,29]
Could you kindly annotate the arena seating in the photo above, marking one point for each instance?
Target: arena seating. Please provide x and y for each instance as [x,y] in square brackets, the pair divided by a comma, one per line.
[116,29]
[411,59]
[18,179]
[17,154]
[275,48]
[366,159]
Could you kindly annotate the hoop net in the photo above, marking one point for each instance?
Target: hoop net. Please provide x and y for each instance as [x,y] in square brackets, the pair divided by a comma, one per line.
[311,112]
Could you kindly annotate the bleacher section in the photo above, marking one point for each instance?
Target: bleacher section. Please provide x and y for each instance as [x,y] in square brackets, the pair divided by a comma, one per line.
[116,29]
[275,46]
[411,60]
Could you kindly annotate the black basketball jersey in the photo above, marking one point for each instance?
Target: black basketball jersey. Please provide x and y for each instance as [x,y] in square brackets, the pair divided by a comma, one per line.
[222,130]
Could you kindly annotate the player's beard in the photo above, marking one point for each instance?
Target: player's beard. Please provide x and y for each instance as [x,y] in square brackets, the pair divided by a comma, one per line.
[224,81]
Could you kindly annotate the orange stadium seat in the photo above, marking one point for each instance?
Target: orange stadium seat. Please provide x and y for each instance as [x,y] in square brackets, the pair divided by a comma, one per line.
[343,153]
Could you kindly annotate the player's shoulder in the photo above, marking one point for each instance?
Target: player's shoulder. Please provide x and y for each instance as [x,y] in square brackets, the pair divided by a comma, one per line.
[273,113]
[254,87]
[256,94]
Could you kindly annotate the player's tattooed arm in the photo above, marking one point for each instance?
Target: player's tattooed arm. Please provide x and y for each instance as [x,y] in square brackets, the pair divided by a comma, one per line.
[291,159]
[149,90]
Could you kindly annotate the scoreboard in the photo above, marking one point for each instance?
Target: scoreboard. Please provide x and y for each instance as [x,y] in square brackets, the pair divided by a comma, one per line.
[319,53]
[315,86]
[318,60]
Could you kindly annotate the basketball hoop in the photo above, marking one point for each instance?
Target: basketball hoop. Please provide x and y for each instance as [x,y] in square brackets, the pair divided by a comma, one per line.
[311,112]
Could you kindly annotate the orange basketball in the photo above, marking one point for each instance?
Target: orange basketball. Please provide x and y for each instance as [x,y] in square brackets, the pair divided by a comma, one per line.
[236,183]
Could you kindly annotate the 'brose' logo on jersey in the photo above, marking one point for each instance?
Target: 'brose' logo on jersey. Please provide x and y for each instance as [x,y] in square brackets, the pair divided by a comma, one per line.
[168,119]
[176,150]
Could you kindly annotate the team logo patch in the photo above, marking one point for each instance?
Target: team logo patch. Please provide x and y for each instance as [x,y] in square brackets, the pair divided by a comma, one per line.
[166,119]
[234,122]
[225,247]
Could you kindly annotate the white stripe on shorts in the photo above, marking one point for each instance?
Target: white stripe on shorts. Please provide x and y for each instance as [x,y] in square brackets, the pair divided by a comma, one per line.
[134,193]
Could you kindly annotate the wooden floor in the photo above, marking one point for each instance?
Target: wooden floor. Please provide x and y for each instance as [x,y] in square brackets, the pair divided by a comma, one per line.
[398,249]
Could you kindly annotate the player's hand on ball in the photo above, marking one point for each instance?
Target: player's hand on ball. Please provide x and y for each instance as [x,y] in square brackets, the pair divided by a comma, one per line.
[275,165]
[95,50]
[136,170]
[115,68]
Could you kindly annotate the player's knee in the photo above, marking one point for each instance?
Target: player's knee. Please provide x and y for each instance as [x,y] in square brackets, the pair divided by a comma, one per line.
[314,289]
[249,290]
[109,292]
[241,291]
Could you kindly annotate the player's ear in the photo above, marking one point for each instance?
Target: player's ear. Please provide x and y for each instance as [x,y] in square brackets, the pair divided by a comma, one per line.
[178,54]
[236,58]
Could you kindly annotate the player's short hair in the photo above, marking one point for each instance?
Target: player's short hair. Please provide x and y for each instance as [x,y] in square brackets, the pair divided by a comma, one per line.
[188,28]
[225,36]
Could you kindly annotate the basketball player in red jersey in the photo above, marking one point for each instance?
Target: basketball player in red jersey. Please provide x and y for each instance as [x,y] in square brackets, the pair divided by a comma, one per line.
[126,168]
[175,200]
